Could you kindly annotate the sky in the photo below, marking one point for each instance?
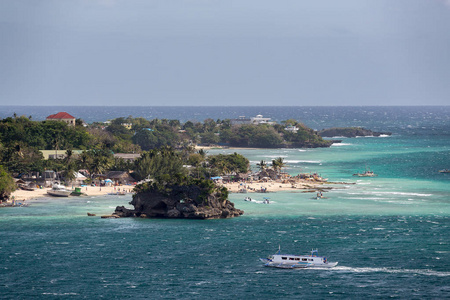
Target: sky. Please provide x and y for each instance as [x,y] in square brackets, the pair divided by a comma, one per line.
[227,52]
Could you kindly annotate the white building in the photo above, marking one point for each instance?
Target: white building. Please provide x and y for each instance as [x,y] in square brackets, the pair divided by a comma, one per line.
[291,128]
[259,119]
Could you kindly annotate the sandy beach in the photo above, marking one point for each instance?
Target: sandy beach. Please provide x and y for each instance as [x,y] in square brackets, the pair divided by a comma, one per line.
[276,186]
[20,195]
[233,187]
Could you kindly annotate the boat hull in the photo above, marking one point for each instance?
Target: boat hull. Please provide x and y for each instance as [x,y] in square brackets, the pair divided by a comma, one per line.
[299,265]
[59,193]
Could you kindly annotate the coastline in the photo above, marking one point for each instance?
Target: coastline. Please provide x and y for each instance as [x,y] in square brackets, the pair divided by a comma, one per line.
[233,187]
[23,195]
[197,147]
[277,186]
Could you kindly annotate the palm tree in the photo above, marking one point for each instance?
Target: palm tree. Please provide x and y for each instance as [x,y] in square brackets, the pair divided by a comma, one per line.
[202,153]
[100,164]
[222,168]
[275,165]
[69,166]
[278,164]
[262,165]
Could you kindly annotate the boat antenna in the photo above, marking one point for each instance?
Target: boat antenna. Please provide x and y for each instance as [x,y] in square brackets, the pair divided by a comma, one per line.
[279,249]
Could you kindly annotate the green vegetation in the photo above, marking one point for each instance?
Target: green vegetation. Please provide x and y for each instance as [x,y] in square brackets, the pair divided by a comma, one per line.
[159,164]
[7,185]
[225,164]
[158,139]
[164,171]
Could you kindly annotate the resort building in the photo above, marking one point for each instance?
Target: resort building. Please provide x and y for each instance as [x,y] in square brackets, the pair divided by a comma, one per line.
[241,121]
[62,116]
[120,177]
[291,128]
[58,154]
[259,119]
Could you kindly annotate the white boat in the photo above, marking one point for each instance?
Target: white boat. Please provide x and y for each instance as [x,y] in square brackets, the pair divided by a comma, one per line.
[59,190]
[291,261]
[265,201]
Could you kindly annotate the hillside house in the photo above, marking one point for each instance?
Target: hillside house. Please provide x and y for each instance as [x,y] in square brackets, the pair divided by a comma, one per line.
[62,116]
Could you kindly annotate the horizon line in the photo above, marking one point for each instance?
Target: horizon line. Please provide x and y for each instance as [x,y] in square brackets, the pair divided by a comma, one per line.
[62,105]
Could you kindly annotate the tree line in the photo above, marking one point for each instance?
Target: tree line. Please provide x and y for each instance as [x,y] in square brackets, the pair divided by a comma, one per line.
[21,138]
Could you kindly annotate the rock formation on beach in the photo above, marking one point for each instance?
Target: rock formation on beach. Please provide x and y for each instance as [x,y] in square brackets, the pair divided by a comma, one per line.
[180,201]
[350,132]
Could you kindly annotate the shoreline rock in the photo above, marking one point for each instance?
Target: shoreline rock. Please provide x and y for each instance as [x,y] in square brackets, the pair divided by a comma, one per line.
[182,202]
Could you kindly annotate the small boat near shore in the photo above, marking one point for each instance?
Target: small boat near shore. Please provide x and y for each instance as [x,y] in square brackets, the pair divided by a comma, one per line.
[319,196]
[444,171]
[59,190]
[265,201]
[14,203]
[366,173]
[117,194]
[27,187]
[77,192]
[291,261]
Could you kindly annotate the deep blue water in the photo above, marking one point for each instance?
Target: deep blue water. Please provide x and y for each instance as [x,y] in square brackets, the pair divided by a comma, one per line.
[390,233]
[51,256]
[433,120]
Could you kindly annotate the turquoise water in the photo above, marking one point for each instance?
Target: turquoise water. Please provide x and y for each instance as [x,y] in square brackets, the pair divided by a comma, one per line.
[390,234]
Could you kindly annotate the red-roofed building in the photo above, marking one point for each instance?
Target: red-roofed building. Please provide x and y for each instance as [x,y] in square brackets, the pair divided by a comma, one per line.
[62,116]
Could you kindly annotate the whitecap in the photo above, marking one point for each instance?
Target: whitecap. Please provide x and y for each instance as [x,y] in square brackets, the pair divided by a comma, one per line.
[426,272]
[402,193]
[60,294]
[275,156]
[303,161]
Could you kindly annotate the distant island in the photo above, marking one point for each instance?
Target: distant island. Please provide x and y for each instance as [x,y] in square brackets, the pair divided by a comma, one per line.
[350,132]
[125,151]
[66,144]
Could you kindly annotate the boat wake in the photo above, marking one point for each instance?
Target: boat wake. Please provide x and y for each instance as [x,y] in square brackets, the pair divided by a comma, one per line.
[379,193]
[425,272]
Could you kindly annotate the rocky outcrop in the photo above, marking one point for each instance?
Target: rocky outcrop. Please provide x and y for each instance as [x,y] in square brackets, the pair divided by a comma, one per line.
[184,202]
[350,132]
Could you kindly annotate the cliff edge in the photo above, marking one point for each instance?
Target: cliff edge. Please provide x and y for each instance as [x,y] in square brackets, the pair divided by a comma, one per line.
[180,201]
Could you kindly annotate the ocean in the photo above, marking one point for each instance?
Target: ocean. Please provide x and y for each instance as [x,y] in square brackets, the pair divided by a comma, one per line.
[390,233]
